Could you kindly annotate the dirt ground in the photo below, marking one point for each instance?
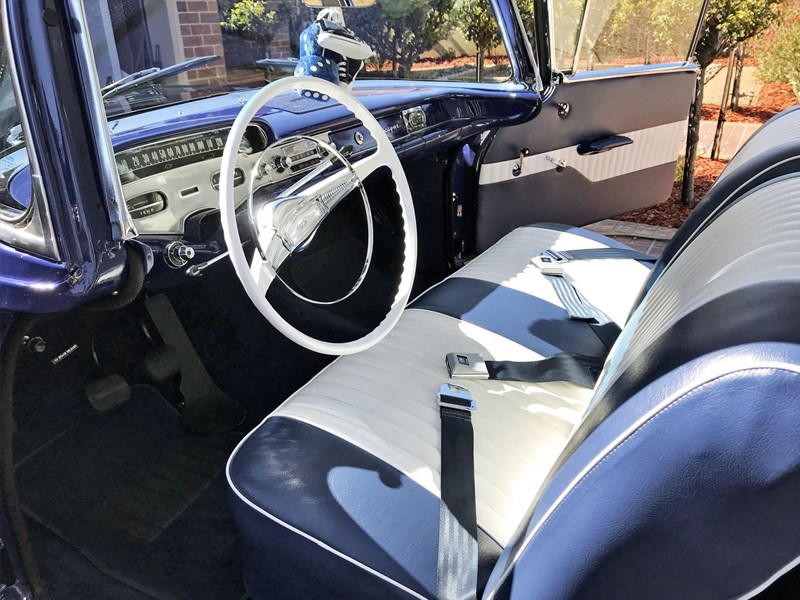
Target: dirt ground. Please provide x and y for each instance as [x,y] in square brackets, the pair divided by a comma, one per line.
[772,99]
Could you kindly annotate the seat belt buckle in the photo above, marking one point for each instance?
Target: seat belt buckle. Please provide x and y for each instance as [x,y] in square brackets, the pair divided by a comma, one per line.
[466,366]
[551,262]
[455,397]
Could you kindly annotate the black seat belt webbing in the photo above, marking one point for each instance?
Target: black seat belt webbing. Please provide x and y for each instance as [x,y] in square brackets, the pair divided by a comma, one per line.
[571,368]
[457,566]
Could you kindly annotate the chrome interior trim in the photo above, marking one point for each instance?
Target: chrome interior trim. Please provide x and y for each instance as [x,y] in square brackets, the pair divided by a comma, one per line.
[39,208]
[637,71]
[122,224]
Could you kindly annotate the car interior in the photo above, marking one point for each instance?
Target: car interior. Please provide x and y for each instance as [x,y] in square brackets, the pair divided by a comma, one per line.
[259,411]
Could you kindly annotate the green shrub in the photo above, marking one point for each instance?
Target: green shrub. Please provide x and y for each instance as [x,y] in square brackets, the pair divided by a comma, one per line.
[779,60]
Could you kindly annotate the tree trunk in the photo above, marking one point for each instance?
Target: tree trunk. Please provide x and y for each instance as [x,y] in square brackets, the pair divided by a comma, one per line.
[692,139]
[737,78]
[723,105]
[479,65]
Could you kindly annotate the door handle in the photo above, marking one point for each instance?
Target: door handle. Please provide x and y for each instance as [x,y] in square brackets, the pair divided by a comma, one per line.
[603,144]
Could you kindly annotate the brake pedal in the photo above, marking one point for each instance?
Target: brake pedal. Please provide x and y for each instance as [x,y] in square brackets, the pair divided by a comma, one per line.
[162,363]
[107,393]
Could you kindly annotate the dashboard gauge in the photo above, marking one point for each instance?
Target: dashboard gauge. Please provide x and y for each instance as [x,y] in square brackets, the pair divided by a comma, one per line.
[150,159]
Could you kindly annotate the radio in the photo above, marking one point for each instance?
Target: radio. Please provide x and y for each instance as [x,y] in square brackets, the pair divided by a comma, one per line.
[292,158]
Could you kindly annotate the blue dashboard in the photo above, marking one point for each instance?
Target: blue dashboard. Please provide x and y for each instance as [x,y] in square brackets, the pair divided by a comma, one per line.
[176,200]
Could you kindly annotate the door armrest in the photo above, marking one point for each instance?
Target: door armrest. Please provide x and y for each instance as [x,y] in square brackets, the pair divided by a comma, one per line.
[603,144]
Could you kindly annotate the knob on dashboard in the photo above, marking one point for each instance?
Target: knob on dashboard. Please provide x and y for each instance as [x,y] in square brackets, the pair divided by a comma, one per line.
[177,254]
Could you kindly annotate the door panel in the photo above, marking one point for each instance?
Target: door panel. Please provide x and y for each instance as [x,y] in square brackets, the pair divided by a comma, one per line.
[556,183]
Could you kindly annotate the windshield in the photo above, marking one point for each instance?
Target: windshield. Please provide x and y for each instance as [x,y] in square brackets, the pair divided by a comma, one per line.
[151,53]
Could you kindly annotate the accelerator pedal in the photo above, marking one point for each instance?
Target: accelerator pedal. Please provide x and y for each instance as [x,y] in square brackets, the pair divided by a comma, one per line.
[107,393]
[207,409]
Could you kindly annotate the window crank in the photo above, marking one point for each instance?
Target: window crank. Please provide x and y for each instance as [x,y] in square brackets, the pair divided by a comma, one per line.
[517,170]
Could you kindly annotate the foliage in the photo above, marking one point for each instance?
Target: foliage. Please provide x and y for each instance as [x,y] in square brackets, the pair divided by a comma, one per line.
[263,19]
[477,22]
[479,25]
[410,27]
[779,61]
[729,22]
[252,18]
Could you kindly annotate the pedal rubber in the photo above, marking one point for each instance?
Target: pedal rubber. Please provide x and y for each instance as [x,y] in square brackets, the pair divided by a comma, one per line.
[162,364]
[107,393]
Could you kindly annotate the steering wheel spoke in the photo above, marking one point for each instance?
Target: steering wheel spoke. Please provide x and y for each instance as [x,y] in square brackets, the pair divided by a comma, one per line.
[263,273]
[369,164]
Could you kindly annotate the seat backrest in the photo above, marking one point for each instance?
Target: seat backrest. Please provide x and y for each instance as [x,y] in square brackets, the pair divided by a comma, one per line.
[772,151]
[683,479]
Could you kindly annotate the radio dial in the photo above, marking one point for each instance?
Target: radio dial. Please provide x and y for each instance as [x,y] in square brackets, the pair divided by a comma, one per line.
[280,163]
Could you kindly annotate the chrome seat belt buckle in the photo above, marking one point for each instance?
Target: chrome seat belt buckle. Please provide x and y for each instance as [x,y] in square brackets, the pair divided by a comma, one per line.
[550,262]
[466,366]
[455,397]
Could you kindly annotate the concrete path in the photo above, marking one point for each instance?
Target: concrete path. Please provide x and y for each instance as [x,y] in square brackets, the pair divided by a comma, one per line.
[734,135]
[750,85]
[645,238]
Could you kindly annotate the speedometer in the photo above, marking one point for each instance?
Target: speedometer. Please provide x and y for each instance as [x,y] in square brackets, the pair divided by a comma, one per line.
[158,157]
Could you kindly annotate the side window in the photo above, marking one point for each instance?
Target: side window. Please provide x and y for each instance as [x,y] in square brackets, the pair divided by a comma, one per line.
[605,34]
[13,155]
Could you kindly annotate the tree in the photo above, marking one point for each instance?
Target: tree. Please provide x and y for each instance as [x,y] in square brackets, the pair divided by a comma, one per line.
[477,22]
[479,25]
[410,27]
[262,20]
[726,24]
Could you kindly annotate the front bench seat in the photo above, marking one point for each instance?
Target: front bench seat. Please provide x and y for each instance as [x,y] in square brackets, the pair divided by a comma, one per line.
[681,477]
[336,493]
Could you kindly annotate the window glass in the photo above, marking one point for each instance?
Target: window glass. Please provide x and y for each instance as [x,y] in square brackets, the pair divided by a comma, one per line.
[441,40]
[219,45]
[14,199]
[605,34]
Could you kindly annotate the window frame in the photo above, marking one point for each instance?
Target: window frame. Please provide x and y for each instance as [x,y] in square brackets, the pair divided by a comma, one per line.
[32,230]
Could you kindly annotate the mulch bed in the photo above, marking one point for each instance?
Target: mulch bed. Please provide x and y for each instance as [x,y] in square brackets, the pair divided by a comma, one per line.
[673,212]
[772,99]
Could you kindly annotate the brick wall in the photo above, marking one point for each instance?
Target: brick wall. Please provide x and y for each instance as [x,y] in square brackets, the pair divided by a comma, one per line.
[201,35]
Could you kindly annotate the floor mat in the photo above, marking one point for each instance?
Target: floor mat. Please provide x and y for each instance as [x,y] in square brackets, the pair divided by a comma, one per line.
[141,499]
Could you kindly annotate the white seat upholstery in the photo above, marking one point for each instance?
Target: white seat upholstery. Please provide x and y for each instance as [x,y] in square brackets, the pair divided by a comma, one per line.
[364,399]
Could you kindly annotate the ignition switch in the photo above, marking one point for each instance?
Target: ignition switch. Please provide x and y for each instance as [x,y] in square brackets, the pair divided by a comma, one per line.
[177,254]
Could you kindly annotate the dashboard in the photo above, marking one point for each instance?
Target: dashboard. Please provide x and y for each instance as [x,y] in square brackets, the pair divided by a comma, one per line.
[168,159]
[167,181]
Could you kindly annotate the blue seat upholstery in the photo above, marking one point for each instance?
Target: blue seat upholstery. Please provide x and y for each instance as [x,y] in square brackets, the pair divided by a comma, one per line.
[678,476]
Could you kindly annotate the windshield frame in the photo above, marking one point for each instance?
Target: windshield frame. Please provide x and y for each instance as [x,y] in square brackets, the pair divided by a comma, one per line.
[32,228]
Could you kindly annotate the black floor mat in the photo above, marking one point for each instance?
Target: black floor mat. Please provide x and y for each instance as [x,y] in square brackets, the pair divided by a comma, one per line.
[141,499]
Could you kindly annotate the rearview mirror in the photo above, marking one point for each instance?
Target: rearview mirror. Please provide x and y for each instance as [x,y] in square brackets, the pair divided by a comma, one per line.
[339,3]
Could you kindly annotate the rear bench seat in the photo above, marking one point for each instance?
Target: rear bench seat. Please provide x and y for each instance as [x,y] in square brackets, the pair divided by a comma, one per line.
[336,492]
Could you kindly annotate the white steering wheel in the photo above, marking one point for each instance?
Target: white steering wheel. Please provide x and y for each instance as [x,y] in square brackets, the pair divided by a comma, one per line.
[259,273]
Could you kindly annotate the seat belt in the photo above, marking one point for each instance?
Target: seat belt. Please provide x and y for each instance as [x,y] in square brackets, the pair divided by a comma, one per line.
[551,264]
[571,368]
[562,256]
[457,564]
